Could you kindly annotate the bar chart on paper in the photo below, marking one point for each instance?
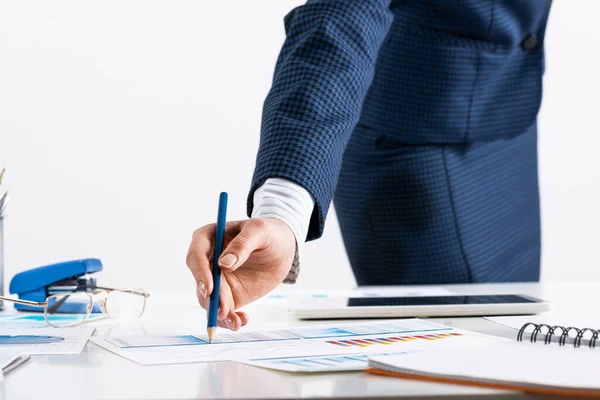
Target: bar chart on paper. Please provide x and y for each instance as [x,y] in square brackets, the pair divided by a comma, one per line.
[390,336]
[390,340]
[351,362]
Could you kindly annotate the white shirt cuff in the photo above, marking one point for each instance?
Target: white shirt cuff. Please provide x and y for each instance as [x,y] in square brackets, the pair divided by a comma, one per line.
[285,200]
[289,202]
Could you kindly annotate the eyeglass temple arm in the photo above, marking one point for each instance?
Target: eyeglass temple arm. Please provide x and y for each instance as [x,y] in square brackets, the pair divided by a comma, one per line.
[24,302]
[95,287]
[134,291]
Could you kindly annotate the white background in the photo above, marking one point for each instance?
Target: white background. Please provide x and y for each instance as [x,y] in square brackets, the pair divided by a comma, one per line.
[120,122]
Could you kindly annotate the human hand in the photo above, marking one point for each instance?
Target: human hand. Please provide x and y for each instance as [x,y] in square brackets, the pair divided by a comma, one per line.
[257,256]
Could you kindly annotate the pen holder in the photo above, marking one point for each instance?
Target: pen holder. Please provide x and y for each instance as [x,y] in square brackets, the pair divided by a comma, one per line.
[1,261]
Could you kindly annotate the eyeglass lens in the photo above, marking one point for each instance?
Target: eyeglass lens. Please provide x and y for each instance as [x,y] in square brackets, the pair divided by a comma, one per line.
[68,309]
[125,305]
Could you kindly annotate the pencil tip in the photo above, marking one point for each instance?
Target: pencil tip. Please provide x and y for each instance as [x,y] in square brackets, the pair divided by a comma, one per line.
[210,332]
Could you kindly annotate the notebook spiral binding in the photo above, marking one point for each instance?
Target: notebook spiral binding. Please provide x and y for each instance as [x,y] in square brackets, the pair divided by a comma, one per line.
[564,334]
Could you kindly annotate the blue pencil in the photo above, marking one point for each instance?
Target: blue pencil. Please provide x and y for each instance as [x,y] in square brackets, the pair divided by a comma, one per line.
[213,308]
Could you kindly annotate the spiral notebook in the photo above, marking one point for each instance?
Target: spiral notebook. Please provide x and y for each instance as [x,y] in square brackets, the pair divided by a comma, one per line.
[544,359]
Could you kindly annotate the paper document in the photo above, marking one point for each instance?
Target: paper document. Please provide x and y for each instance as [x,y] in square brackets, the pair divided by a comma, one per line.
[389,336]
[37,320]
[349,362]
[68,340]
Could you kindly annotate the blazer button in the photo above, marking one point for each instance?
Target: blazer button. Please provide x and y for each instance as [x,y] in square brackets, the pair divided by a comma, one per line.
[530,42]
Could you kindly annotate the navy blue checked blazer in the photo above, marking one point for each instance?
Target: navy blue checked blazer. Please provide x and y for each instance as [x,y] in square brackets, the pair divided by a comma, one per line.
[418,118]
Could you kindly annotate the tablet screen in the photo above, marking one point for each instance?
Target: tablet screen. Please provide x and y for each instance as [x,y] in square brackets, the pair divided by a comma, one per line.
[437,300]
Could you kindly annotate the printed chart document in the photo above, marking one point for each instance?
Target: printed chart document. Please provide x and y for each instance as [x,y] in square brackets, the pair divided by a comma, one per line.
[328,363]
[278,347]
[45,341]
[37,320]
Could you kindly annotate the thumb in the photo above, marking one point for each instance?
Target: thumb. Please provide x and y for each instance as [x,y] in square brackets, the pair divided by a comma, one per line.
[253,236]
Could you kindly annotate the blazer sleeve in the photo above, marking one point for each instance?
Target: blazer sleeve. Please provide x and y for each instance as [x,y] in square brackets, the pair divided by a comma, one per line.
[321,78]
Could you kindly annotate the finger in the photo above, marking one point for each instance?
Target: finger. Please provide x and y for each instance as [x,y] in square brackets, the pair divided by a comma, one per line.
[204,302]
[225,324]
[234,321]
[253,236]
[226,304]
[244,318]
[201,251]
[198,259]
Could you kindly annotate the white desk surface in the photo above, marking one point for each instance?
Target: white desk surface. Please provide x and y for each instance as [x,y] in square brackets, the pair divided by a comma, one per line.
[99,374]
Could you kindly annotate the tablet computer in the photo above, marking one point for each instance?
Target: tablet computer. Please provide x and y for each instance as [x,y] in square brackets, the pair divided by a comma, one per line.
[428,306]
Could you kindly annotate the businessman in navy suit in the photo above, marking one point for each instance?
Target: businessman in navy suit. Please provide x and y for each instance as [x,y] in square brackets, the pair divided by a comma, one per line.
[418,118]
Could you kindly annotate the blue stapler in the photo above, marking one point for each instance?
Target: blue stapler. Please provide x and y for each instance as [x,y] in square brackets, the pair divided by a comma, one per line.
[39,283]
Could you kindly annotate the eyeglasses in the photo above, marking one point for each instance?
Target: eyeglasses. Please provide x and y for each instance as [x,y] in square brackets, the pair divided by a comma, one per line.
[75,307]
